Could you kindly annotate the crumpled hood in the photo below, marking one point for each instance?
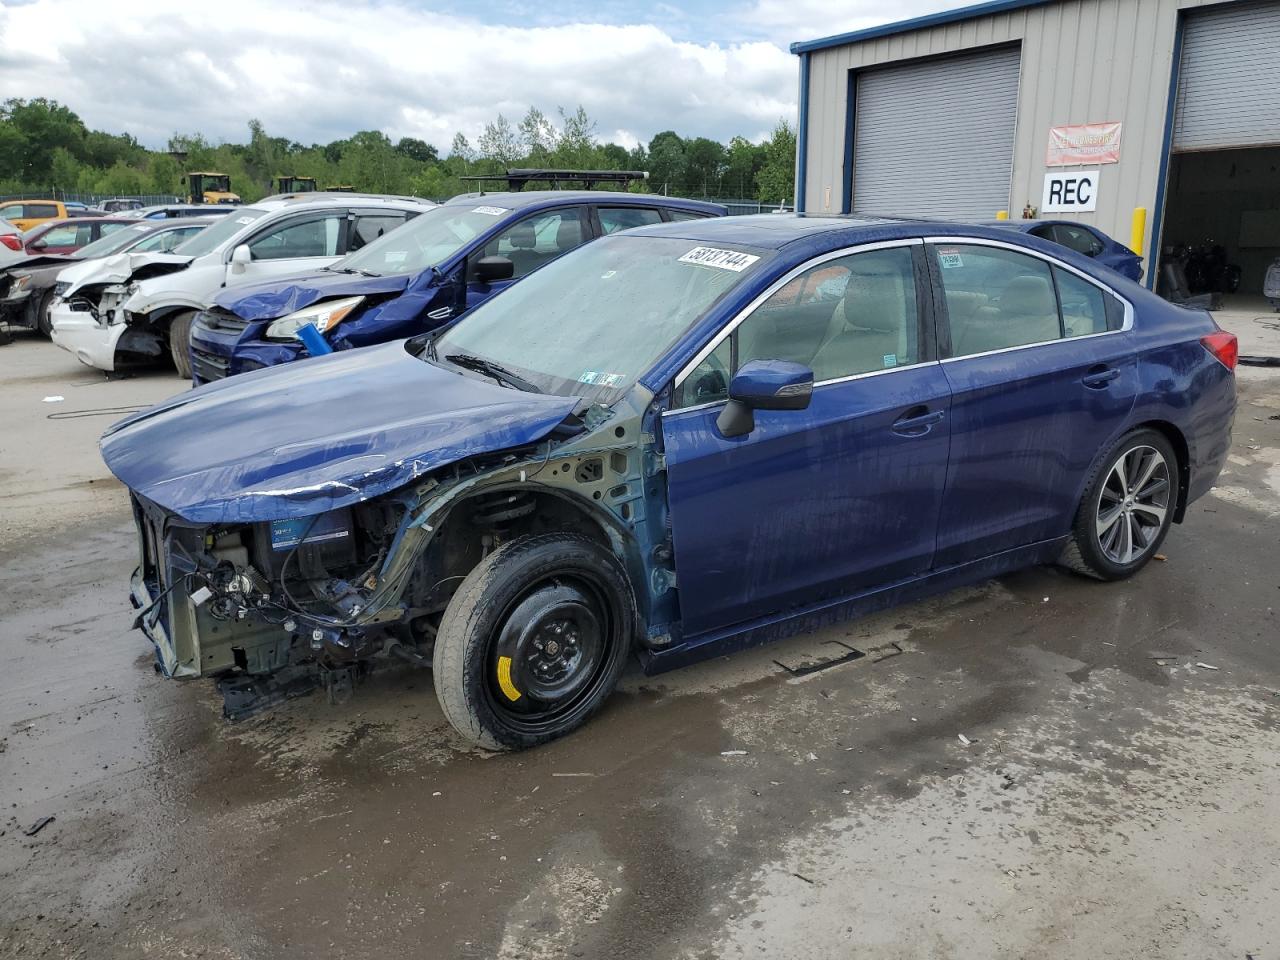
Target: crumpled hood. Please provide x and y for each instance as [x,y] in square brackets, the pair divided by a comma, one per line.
[279,298]
[28,264]
[301,438]
[120,267]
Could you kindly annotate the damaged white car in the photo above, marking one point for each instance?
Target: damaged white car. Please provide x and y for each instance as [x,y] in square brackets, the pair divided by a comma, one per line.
[135,310]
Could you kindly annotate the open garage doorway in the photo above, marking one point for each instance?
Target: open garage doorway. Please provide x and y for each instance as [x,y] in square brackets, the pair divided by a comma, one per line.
[1222,221]
[1222,198]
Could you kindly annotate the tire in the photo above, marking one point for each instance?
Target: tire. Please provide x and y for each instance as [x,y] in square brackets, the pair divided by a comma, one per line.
[1116,530]
[534,641]
[44,323]
[180,343]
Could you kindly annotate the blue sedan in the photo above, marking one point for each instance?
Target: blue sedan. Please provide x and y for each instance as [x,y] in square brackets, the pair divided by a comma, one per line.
[1085,240]
[675,442]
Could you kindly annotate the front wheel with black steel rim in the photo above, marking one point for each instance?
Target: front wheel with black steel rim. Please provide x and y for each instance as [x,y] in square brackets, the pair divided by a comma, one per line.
[1127,508]
[534,640]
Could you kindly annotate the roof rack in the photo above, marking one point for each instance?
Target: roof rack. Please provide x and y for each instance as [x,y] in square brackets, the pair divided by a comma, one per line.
[519,179]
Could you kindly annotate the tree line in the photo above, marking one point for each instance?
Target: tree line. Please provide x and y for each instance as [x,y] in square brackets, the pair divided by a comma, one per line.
[46,146]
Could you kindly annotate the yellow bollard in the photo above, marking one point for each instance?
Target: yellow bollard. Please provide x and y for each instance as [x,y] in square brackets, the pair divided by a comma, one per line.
[1002,214]
[1138,232]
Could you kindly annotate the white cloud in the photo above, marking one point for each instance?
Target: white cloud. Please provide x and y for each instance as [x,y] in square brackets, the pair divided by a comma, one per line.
[788,21]
[319,71]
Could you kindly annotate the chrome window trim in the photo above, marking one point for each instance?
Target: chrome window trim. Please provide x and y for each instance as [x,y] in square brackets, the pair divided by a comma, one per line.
[1125,327]
[773,288]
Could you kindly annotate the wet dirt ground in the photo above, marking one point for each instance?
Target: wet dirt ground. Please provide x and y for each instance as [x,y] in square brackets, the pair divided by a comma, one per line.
[1115,793]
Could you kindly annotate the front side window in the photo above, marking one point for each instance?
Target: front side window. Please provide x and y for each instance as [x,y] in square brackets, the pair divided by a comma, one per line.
[593,322]
[613,219]
[225,229]
[853,315]
[538,239]
[996,298]
[310,238]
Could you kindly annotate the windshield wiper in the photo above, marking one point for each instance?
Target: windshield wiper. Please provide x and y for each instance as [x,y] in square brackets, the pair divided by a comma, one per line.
[490,369]
[363,273]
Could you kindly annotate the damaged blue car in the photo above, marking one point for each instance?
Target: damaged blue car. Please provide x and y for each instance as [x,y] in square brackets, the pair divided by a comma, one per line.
[674,442]
[418,277]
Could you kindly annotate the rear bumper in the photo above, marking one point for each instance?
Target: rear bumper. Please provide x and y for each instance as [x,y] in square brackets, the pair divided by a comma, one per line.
[92,343]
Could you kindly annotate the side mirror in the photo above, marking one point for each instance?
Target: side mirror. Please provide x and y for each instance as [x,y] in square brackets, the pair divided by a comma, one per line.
[40,244]
[764,385]
[491,269]
[241,257]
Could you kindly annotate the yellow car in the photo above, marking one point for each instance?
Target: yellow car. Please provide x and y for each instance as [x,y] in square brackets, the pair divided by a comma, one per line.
[25,214]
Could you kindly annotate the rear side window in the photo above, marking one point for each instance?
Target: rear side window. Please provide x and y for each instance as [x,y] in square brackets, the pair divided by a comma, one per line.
[996,298]
[613,219]
[676,216]
[366,229]
[1086,308]
[1078,239]
[109,227]
[35,210]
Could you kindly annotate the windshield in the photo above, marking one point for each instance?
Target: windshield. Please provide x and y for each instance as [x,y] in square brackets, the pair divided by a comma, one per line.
[209,240]
[115,242]
[590,323]
[425,241]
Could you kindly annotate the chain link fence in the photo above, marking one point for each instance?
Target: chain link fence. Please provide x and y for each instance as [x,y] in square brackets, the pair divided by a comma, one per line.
[92,199]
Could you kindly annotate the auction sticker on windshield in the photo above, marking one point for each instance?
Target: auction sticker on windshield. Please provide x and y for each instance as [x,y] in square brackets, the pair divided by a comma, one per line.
[715,257]
[491,211]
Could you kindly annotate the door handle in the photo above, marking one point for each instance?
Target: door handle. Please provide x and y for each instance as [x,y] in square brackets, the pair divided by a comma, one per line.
[916,421]
[1098,377]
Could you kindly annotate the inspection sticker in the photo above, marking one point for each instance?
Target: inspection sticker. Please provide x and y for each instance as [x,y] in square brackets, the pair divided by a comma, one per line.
[949,259]
[598,379]
[491,211]
[715,257]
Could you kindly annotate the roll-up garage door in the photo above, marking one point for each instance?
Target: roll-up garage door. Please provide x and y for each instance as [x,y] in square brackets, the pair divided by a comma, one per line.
[935,138]
[1229,84]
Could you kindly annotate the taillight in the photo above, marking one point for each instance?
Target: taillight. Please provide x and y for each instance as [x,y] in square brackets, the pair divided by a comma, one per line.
[1224,348]
[12,241]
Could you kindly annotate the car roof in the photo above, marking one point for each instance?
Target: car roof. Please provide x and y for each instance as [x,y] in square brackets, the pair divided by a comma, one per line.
[525,199]
[323,198]
[812,232]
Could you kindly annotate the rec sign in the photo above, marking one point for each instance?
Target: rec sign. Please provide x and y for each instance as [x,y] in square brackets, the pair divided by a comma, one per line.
[1075,192]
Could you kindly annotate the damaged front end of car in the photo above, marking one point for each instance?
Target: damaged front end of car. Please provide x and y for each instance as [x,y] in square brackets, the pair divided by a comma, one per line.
[275,587]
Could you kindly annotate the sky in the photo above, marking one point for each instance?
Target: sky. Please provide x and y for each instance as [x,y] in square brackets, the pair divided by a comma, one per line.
[319,70]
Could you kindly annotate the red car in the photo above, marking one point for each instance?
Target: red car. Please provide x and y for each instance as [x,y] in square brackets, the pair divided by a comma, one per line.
[68,236]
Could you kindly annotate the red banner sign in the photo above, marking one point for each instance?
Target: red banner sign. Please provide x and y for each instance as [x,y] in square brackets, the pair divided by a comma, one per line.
[1084,143]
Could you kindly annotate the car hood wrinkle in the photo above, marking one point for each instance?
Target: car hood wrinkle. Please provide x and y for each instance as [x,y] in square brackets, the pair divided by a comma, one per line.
[302,438]
[274,299]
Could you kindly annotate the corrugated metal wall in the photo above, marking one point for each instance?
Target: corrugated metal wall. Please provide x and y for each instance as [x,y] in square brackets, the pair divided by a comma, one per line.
[1082,61]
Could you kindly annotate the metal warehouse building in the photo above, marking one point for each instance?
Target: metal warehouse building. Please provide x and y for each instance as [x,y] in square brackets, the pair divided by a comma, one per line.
[1082,109]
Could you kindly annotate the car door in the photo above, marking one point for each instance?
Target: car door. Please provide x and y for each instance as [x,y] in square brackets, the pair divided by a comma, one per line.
[297,244]
[825,502]
[1042,374]
[528,243]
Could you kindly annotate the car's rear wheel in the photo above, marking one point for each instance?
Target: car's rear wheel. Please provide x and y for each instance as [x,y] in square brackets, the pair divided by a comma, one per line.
[534,641]
[44,322]
[180,343]
[1127,508]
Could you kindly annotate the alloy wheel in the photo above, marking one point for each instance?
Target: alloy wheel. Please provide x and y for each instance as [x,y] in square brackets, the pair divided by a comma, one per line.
[1133,505]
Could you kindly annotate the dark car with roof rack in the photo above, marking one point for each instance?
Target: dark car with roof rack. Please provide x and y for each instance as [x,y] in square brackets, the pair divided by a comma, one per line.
[426,274]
